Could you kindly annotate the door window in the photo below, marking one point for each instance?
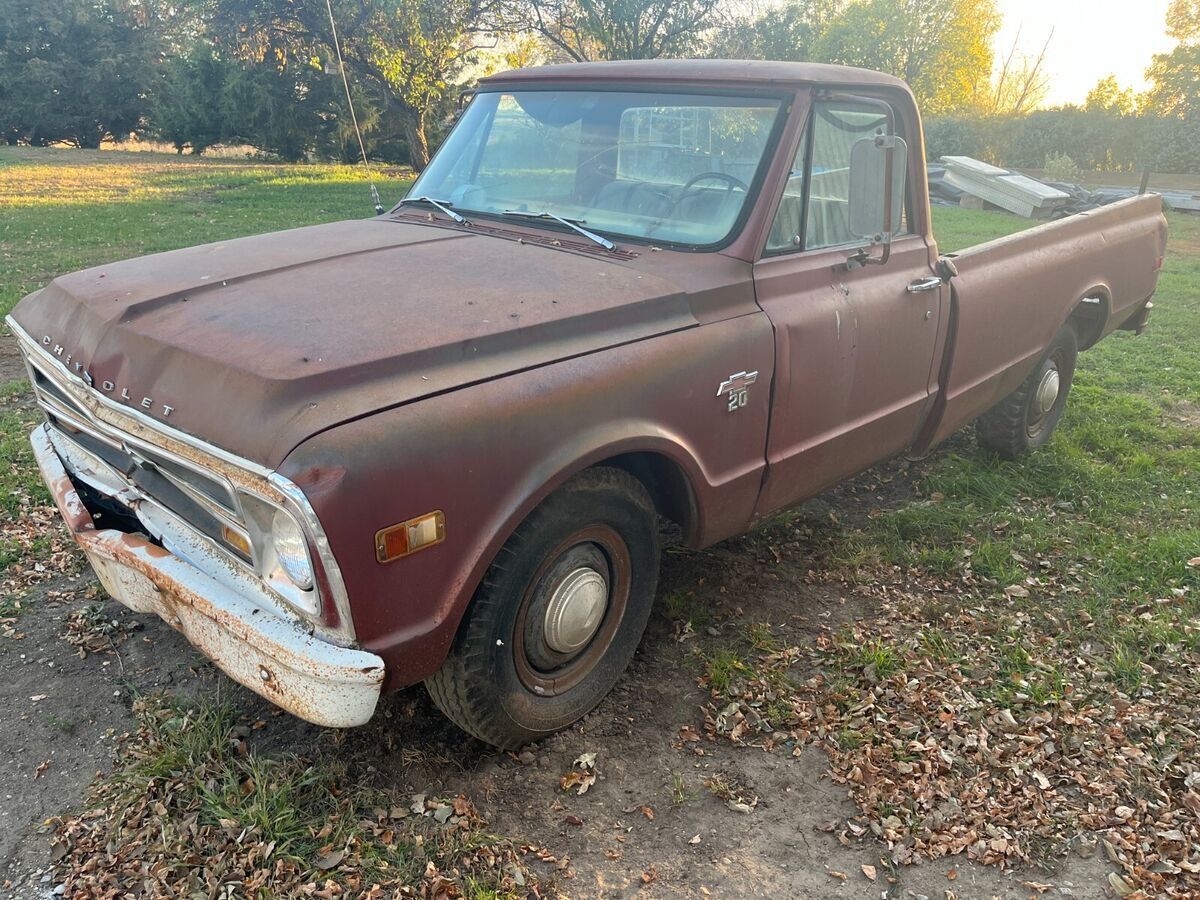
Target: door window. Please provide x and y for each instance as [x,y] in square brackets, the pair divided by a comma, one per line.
[814,210]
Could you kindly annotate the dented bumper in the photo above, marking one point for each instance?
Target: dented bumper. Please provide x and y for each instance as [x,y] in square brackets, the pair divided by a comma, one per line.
[273,656]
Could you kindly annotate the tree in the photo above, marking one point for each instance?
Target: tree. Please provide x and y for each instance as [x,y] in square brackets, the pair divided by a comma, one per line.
[186,106]
[787,33]
[76,71]
[581,30]
[1020,84]
[942,48]
[1183,20]
[402,54]
[285,110]
[1175,77]
[1108,96]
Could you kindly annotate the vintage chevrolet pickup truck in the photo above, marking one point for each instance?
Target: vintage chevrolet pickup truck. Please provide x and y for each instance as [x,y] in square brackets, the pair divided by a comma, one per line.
[440,445]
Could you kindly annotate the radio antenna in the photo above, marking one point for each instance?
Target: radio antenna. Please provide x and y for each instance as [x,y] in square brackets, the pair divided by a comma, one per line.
[337,46]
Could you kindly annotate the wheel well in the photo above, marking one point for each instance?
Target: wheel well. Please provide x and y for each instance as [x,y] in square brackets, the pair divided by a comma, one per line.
[1089,317]
[667,483]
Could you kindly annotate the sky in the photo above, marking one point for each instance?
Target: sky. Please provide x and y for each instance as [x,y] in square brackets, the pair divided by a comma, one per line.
[1091,39]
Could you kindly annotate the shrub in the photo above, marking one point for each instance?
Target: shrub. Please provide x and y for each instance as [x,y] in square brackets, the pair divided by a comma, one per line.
[1060,167]
[1094,140]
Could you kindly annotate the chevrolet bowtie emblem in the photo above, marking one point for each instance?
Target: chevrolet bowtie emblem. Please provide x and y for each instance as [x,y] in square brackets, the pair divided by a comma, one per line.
[737,388]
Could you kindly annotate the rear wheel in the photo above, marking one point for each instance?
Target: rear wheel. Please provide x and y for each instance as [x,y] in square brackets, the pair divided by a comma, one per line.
[1026,418]
[558,615]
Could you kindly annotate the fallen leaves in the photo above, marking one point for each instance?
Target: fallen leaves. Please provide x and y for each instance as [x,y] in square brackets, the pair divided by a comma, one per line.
[581,781]
[582,777]
[41,550]
[93,630]
[191,809]
[978,732]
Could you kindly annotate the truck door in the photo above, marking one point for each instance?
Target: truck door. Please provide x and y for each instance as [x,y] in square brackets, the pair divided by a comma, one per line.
[854,346]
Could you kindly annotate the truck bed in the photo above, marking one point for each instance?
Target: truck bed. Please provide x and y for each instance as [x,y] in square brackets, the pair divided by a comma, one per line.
[1013,294]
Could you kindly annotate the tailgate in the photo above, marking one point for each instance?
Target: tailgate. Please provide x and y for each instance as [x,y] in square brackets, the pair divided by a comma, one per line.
[1013,294]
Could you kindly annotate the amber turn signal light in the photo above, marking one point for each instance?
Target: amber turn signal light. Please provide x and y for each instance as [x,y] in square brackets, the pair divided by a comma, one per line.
[406,538]
[236,540]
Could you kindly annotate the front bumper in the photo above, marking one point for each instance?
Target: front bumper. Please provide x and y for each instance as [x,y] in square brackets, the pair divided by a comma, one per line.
[273,656]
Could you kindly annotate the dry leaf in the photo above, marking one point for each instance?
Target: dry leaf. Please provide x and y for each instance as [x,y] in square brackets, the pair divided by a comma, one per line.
[869,871]
[575,779]
[329,859]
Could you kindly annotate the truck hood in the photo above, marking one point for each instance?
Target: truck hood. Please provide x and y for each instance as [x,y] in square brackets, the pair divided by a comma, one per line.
[257,343]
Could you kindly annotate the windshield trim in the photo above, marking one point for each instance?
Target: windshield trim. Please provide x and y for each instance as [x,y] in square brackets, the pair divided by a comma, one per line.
[784,96]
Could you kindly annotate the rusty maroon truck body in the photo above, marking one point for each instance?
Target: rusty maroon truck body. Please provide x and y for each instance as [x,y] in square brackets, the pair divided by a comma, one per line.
[439,444]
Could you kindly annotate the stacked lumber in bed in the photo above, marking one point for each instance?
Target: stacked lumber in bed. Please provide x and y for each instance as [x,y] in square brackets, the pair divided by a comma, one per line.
[1000,187]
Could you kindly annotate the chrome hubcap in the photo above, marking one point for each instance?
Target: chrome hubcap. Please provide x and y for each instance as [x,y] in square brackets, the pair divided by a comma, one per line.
[576,610]
[1047,392]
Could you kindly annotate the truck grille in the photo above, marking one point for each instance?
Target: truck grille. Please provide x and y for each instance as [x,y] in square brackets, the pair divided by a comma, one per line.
[200,498]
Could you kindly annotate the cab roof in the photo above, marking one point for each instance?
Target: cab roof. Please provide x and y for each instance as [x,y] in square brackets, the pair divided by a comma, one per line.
[698,71]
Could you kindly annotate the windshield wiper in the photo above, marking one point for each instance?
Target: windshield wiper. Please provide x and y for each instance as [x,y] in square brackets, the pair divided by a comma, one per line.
[443,205]
[573,224]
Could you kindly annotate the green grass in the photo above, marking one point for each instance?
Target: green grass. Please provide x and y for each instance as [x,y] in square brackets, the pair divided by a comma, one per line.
[724,668]
[1110,508]
[66,209]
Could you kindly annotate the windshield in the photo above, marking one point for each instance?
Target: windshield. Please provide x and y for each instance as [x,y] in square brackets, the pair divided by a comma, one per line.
[675,168]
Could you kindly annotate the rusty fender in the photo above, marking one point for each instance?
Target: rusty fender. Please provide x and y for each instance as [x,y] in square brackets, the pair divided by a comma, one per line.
[272,656]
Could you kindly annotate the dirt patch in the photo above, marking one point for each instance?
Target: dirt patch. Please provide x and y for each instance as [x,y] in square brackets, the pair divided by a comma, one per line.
[1185,413]
[12,363]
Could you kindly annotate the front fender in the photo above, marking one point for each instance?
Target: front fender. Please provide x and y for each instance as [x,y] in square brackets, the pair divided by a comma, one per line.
[487,454]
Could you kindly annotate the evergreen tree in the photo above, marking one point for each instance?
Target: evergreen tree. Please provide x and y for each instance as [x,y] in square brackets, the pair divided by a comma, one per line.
[75,71]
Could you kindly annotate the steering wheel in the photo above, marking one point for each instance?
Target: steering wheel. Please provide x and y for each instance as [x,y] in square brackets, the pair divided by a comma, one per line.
[733,183]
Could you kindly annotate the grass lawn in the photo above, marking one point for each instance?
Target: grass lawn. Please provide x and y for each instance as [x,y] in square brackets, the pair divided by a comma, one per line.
[1050,604]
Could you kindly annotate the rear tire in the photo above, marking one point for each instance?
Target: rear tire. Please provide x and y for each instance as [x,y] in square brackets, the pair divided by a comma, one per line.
[1025,419]
[559,614]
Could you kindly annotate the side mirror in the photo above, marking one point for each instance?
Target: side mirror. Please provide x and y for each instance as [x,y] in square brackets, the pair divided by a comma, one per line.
[876,163]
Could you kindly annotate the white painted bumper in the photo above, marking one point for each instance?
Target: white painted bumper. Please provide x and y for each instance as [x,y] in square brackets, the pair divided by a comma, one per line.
[273,656]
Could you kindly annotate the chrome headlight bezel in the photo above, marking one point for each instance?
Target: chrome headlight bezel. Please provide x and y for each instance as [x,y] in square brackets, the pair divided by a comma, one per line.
[264,519]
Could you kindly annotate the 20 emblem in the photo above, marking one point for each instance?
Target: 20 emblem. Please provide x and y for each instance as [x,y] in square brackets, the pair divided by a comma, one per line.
[737,389]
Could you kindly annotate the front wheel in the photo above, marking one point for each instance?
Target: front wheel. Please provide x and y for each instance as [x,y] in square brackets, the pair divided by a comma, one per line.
[558,615]
[1025,419]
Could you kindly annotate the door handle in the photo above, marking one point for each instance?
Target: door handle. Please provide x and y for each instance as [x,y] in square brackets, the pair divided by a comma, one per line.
[921,285]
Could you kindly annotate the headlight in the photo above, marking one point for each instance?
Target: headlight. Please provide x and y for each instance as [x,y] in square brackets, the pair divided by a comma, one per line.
[291,550]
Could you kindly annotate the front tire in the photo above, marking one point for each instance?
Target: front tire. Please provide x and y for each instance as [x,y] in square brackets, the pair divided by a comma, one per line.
[1025,419]
[559,614]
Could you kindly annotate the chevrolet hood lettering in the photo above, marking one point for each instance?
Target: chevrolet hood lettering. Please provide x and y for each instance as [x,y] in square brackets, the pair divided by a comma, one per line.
[108,387]
[256,344]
